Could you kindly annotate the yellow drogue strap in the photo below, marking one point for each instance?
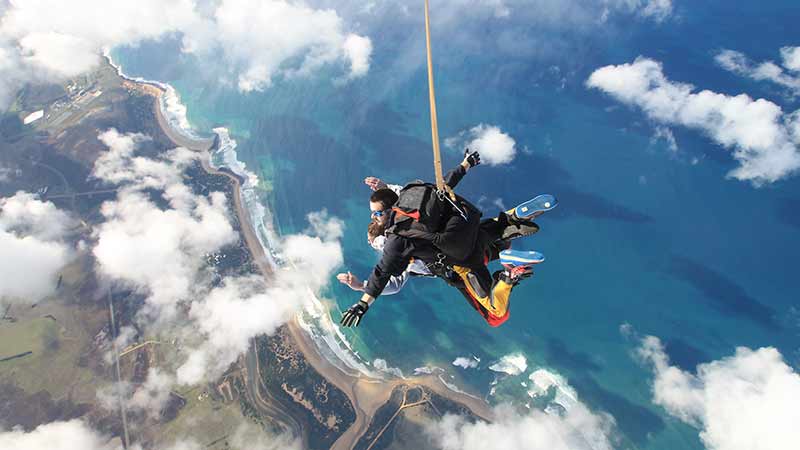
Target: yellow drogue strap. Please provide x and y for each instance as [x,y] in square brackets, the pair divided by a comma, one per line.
[437,155]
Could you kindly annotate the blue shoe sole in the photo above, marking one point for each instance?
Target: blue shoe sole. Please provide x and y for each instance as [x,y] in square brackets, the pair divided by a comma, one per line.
[515,258]
[535,206]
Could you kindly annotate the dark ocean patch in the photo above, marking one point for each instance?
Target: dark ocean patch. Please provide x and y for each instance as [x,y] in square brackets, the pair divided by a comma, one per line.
[575,361]
[788,211]
[635,421]
[684,355]
[325,172]
[723,293]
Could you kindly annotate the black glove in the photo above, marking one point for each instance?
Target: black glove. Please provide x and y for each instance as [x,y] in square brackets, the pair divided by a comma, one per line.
[352,317]
[473,158]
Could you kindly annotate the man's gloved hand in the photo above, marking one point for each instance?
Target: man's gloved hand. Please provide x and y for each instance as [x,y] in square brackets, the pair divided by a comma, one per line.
[471,159]
[352,317]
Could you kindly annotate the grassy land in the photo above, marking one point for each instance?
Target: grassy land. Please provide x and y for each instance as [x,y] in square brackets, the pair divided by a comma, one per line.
[56,346]
[204,421]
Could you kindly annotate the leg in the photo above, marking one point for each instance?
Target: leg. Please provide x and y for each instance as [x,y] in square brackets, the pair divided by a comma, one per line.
[491,296]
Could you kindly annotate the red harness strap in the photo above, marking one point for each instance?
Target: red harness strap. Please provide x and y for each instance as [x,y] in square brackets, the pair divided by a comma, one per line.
[414,215]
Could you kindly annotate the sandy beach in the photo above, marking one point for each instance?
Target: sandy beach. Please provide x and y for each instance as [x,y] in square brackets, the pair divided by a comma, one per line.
[366,394]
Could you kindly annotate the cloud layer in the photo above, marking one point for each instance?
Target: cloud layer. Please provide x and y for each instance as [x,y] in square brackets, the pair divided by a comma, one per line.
[744,402]
[33,247]
[46,40]
[160,249]
[762,138]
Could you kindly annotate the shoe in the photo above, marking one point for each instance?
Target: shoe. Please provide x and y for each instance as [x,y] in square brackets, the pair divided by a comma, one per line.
[519,258]
[518,264]
[532,208]
[515,231]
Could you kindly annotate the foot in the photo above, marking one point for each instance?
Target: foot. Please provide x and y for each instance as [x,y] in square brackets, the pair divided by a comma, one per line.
[519,264]
[532,208]
[517,230]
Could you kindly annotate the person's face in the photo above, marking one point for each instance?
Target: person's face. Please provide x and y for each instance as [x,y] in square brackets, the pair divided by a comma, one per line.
[378,213]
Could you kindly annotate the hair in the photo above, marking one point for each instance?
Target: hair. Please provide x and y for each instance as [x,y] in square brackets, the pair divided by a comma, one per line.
[386,197]
[375,229]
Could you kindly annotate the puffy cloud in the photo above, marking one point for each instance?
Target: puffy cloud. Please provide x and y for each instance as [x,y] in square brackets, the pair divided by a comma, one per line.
[159,251]
[121,167]
[757,131]
[745,401]
[791,58]
[576,429]
[739,63]
[495,146]
[72,435]
[282,39]
[231,315]
[42,40]
[32,247]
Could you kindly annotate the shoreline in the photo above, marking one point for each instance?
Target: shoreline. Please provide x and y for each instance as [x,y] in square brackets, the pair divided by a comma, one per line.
[366,394]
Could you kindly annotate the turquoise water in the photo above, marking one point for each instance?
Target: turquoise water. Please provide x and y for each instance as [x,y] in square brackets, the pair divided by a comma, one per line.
[642,236]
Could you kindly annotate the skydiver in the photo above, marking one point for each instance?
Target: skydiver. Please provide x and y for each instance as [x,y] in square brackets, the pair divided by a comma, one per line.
[459,253]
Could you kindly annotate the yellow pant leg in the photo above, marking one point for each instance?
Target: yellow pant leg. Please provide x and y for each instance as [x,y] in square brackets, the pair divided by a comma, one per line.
[498,304]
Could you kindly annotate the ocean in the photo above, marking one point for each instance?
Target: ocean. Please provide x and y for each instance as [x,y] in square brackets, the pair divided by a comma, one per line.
[647,240]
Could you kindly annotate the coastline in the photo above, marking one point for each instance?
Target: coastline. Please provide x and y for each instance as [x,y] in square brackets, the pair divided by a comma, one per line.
[366,393]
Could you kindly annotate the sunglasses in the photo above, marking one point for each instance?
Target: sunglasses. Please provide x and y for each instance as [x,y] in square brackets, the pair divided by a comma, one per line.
[378,213]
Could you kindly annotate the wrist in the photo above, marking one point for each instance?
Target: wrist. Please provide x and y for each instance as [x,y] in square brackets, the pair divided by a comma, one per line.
[368,299]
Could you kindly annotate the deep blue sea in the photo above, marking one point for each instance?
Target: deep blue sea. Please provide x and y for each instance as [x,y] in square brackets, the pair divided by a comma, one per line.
[644,236]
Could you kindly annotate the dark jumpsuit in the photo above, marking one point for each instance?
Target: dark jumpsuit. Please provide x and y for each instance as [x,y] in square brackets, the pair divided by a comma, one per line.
[465,270]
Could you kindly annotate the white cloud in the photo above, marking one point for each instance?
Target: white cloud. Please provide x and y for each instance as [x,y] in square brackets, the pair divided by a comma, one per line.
[576,429]
[72,435]
[32,247]
[666,135]
[791,58]
[159,251]
[658,10]
[282,39]
[46,40]
[747,401]
[120,166]
[466,363]
[739,63]
[225,320]
[150,397]
[756,130]
[495,146]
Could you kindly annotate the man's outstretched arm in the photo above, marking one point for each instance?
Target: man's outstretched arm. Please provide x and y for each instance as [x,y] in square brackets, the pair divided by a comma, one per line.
[454,176]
